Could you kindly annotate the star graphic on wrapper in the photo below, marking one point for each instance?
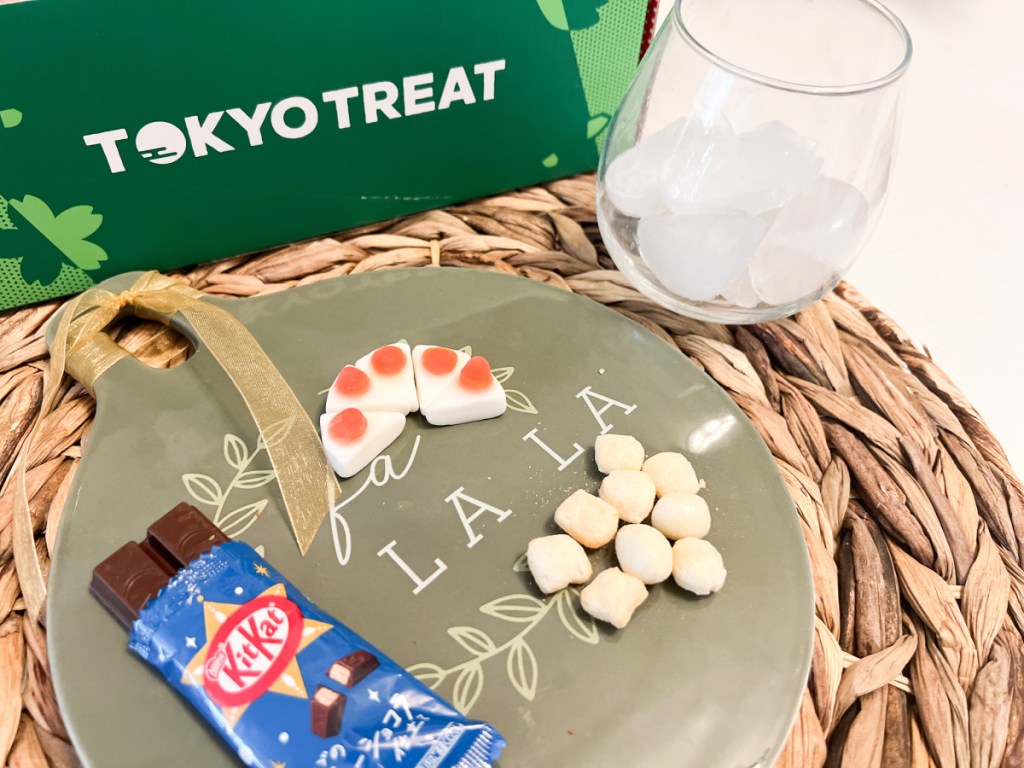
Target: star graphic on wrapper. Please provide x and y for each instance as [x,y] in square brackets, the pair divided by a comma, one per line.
[190,642]
[261,570]
[374,695]
[275,764]
[244,642]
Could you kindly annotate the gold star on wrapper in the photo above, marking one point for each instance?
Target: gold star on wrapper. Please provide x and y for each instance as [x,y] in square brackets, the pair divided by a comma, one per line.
[275,764]
[261,570]
[288,683]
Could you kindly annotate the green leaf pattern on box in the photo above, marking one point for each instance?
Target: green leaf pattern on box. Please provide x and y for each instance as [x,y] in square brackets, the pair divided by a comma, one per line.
[602,89]
[62,266]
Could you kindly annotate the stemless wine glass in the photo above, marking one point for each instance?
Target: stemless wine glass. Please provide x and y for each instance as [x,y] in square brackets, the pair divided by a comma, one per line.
[750,159]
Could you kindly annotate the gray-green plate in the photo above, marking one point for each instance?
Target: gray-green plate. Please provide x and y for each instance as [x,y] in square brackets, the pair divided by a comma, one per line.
[704,682]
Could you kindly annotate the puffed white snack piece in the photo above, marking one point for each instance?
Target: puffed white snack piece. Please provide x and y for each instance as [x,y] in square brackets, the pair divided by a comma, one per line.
[697,566]
[557,561]
[613,597]
[682,516]
[614,452]
[631,492]
[672,473]
[588,519]
[644,552]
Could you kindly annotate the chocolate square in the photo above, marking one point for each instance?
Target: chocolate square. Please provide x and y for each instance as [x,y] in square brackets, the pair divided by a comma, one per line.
[183,534]
[127,580]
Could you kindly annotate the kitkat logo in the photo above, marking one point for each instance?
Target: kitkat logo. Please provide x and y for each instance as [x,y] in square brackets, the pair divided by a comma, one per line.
[251,650]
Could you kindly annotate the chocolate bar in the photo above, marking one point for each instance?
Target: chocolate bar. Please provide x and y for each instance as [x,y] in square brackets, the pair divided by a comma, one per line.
[326,710]
[351,669]
[247,665]
[126,580]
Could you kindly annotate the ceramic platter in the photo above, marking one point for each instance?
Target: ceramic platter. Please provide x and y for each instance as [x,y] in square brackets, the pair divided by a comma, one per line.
[691,681]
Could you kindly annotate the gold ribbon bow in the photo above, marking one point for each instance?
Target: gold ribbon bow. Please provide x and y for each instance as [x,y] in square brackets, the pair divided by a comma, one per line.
[308,486]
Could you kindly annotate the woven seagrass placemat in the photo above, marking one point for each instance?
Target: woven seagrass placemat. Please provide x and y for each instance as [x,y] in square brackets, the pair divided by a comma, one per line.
[912,516]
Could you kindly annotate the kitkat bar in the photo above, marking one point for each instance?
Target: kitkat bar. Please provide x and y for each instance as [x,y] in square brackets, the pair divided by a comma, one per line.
[351,669]
[135,573]
[265,666]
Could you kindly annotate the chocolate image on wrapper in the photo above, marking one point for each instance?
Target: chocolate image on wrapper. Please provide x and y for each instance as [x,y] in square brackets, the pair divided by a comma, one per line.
[353,668]
[248,650]
[326,710]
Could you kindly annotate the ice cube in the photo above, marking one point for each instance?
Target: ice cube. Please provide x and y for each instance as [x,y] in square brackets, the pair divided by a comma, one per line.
[811,242]
[700,255]
[630,187]
[754,171]
[632,181]
[741,293]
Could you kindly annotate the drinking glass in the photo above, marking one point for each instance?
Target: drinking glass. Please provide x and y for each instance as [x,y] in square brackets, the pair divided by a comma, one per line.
[750,159]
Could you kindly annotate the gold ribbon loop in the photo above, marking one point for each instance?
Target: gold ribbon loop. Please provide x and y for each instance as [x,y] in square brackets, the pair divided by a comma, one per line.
[308,486]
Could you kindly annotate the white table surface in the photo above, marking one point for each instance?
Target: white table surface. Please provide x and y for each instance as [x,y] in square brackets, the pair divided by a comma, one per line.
[947,259]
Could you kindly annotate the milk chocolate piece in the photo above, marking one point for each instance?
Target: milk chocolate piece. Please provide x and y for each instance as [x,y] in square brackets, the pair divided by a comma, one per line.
[126,581]
[183,534]
[326,709]
[351,669]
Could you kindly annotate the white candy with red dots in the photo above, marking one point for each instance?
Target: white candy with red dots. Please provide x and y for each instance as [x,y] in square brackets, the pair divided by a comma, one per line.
[455,388]
[380,381]
[353,438]
[435,367]
[368,402]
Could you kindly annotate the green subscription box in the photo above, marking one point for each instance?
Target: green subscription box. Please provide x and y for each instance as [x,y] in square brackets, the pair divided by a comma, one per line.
[141,135]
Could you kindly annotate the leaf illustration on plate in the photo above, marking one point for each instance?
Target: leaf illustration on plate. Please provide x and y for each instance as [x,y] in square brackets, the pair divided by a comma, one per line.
[517,401]
[467,350]
[521,565]
[274,433]
[429,674]
[203,488]
[468,686]
[237,521]
[579,624]
[255,478]
[517,608]
[522,669]
[473,640]
[235,452]
[503,374]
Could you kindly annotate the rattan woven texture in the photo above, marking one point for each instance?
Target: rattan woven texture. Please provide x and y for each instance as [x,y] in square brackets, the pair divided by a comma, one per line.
[912,516]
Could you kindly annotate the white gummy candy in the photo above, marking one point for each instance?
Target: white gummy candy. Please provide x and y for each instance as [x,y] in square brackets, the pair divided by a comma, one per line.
[556,562]
[631,492]
[588,519]
[671,472]
[681,516]
[613,597]
[618,452]
[644,552]
[697,566]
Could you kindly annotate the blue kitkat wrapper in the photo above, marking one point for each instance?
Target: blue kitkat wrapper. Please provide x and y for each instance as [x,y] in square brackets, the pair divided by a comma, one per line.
[284,683]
